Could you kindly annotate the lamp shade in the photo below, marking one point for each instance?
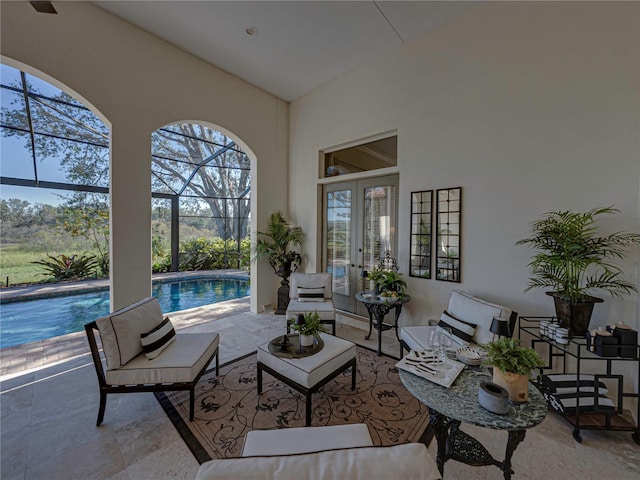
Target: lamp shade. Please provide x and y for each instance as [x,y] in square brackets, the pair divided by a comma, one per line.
[500,326]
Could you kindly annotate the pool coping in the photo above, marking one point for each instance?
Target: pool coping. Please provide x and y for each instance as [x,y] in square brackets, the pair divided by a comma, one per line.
[48,290]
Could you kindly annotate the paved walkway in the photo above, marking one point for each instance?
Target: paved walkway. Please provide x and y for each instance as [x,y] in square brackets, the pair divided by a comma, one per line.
[54,289]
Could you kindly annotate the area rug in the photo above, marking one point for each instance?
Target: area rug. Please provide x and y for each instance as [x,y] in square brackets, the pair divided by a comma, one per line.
[228,406]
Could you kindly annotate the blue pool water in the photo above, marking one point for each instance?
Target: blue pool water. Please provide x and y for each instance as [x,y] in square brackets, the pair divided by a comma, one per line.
[31,320]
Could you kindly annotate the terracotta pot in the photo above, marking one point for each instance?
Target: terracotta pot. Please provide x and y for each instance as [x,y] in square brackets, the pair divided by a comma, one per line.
[516,384]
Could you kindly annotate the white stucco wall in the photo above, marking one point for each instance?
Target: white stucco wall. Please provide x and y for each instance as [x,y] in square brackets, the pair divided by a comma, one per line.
[529,107]
[139,83]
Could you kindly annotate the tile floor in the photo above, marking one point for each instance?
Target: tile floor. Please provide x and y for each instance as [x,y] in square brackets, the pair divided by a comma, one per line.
[49,407]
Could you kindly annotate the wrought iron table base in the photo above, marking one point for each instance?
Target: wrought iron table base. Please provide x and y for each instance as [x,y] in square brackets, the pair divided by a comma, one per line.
[455,444]
[378,311]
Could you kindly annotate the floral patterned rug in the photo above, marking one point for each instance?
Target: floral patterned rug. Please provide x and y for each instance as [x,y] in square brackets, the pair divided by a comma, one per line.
[229,406]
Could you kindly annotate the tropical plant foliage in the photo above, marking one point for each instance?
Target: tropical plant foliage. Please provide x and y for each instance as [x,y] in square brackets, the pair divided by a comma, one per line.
[275,244]
[509,356]
[311,325]
[65,267]
[573,259]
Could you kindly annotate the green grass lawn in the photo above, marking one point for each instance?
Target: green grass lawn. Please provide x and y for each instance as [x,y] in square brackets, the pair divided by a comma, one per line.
[15,263]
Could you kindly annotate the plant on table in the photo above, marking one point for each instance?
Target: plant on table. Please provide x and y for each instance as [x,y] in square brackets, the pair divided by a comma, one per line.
[392,284]
[311,325]
[512,364]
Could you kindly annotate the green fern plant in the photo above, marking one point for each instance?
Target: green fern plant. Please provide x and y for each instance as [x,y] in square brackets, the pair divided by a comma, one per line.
[573,259]
[509,356]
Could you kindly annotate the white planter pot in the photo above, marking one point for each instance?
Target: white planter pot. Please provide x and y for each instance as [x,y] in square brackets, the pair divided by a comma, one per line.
[306,340]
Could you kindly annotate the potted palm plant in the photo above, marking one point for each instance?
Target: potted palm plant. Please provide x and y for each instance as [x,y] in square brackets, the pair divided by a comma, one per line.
[392,284]
[278,246]
[512,366]
[309,326]
[573,259]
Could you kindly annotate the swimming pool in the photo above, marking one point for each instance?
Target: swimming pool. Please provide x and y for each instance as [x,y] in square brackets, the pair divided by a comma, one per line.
[31,320]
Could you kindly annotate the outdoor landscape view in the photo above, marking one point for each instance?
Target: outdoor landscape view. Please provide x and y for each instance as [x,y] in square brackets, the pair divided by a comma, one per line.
[54,204]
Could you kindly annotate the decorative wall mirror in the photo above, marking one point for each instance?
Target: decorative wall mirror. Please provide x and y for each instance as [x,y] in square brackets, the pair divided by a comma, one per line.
[421,233]
[449,220]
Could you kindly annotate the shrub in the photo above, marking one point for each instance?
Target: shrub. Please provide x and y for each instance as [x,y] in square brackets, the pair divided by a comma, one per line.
[65,267]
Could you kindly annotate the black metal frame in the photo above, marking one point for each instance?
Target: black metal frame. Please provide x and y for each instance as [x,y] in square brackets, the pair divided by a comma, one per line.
[106,388]
[581,354]
[304,390]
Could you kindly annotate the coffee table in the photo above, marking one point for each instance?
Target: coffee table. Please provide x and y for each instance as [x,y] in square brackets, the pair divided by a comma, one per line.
[307,374]
[449,407]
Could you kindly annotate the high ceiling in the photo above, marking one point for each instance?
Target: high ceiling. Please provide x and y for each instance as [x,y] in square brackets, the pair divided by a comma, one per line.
[287,48]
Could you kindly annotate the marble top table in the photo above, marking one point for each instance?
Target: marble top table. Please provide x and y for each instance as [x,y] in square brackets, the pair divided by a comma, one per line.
[378,309]
[448,407]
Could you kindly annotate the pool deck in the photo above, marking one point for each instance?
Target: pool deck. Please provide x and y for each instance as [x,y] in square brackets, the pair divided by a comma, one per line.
[53,289]
[28,356]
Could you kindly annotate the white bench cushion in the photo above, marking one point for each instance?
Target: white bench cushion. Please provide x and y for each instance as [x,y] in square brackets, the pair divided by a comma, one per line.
[285,441]
[180,362]
[310,280]
[408,461]
[308,371]
[120,331]
[416,337]
[325,309]
[478,312]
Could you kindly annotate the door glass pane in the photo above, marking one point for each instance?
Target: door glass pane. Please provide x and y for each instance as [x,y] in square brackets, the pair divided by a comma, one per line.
[378,223]
[338,239]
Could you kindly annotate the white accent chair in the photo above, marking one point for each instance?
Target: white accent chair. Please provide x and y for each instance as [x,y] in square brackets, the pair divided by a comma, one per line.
[310,292]
[331,452]
[178,367]
[465,308]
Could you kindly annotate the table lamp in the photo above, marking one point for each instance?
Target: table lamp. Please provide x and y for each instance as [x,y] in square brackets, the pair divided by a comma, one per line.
[299,321]
[500,327]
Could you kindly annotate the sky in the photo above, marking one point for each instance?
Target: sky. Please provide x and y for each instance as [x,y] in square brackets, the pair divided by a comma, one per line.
[15,153]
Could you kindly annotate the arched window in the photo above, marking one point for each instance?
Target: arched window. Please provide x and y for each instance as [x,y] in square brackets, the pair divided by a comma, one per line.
[54,171]
[201,176]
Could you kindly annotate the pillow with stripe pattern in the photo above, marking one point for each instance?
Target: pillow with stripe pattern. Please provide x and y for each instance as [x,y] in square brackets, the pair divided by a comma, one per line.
[462,331]
[306,294]
[157,339]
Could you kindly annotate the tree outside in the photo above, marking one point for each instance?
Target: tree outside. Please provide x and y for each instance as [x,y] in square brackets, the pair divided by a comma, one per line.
[51,137]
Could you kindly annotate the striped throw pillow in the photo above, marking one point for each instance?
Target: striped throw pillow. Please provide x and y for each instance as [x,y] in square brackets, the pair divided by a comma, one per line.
[462,331]
[306,294]
[157,339]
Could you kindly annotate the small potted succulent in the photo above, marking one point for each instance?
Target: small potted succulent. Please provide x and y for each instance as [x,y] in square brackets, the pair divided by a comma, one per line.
[512,366]
[308,325]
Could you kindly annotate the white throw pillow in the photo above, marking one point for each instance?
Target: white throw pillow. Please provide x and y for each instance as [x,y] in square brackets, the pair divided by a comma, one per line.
[155,341]
[462,331]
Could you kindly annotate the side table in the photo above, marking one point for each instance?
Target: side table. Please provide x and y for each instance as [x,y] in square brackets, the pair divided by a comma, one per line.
[449,407]
[378,309]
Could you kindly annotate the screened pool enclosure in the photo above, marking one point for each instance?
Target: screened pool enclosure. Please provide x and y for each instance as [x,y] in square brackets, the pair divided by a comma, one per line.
[53,144]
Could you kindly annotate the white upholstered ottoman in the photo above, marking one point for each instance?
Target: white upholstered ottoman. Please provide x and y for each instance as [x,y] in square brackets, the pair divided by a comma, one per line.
[288,441]
[308,374]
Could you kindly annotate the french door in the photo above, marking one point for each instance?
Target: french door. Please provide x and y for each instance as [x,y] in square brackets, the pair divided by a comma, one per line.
[359,225]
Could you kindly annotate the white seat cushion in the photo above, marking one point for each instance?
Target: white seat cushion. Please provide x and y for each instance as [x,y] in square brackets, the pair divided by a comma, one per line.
[408,461]
[120,331]
[325,309]
[180,362]
[416,337]
[310,280]
[285,441]
[311,370]
[478,312]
